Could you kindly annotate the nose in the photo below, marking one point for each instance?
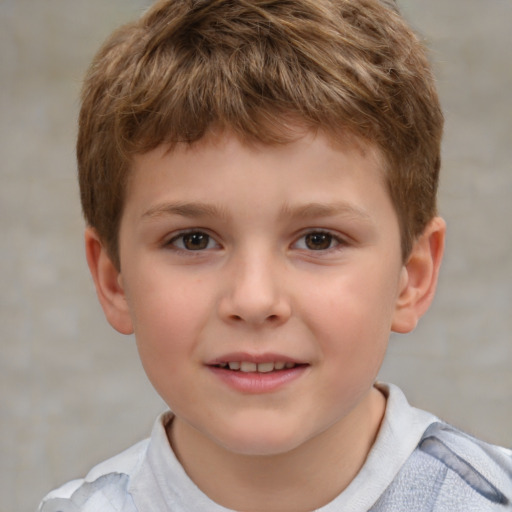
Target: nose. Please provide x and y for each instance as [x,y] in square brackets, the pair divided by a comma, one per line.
[254,292]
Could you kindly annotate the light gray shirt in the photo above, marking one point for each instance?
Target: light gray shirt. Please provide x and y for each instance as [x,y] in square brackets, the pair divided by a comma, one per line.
[417,463]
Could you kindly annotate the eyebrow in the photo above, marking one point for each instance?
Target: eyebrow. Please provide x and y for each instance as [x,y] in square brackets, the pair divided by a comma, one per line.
[192,210]
[315,209]
[306,211]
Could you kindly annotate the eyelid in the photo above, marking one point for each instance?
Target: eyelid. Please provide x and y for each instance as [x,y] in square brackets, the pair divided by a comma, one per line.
[341,241]
[168,241]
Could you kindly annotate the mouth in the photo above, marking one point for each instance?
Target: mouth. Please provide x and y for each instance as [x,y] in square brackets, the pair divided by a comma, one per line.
[257,373]
[252,367]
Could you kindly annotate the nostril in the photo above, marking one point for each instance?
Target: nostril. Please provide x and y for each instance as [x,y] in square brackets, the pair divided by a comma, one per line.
[269,318]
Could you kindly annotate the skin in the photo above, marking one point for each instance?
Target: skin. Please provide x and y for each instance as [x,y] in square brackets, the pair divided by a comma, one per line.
[295,254]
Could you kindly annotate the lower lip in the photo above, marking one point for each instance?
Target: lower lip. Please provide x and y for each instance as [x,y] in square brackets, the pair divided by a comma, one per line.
[255,382]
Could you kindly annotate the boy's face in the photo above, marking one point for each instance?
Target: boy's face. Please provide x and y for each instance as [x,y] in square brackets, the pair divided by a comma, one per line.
[255,255]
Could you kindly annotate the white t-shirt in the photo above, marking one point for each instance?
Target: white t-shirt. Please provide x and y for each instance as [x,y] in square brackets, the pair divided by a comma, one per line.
[417,464]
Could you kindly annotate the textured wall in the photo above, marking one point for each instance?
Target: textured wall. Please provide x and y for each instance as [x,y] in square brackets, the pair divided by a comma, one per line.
[72,391]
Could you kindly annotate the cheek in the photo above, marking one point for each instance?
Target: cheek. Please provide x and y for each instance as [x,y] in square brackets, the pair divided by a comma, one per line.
[168,319]
[164,299]
[166,334]
[351,317]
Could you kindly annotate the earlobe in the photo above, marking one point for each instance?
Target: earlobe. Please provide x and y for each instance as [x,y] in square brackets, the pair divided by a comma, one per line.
[419,277]
[108,283]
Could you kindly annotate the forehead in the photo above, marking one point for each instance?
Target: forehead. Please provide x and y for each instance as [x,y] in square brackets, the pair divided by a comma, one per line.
[222,173]
[297,140]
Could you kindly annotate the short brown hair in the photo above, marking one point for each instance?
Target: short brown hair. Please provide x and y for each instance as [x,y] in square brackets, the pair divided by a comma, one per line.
[188,66]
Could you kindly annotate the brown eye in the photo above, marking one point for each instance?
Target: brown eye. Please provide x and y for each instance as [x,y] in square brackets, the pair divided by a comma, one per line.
[193,241]
[318,241]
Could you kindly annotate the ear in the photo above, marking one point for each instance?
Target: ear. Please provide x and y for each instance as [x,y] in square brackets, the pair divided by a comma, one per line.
[419,277]
[108,282]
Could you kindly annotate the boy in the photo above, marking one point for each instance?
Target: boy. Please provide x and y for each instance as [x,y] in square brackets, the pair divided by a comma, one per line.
[259,181]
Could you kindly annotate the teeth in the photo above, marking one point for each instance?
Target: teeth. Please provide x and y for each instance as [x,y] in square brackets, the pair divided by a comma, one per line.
[249,367]
[265,367]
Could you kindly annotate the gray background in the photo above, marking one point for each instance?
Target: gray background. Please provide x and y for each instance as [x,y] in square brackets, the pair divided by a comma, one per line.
[72,391]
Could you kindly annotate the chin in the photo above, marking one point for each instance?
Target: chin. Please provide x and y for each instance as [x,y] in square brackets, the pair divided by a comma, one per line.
[270,440]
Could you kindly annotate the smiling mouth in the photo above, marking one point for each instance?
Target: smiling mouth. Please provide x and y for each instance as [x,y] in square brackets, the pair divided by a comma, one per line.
[250,367]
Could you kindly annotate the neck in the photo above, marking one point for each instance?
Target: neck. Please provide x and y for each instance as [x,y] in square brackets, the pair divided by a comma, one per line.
[302,479]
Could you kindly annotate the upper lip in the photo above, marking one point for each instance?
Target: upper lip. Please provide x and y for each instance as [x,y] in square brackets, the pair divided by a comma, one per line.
[253,358]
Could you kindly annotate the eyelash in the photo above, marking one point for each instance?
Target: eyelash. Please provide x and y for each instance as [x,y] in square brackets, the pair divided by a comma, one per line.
[181,236]
[332,239]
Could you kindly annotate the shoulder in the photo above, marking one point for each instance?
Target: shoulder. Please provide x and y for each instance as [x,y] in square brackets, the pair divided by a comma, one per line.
[104,488]
[484,468]
[450,471]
